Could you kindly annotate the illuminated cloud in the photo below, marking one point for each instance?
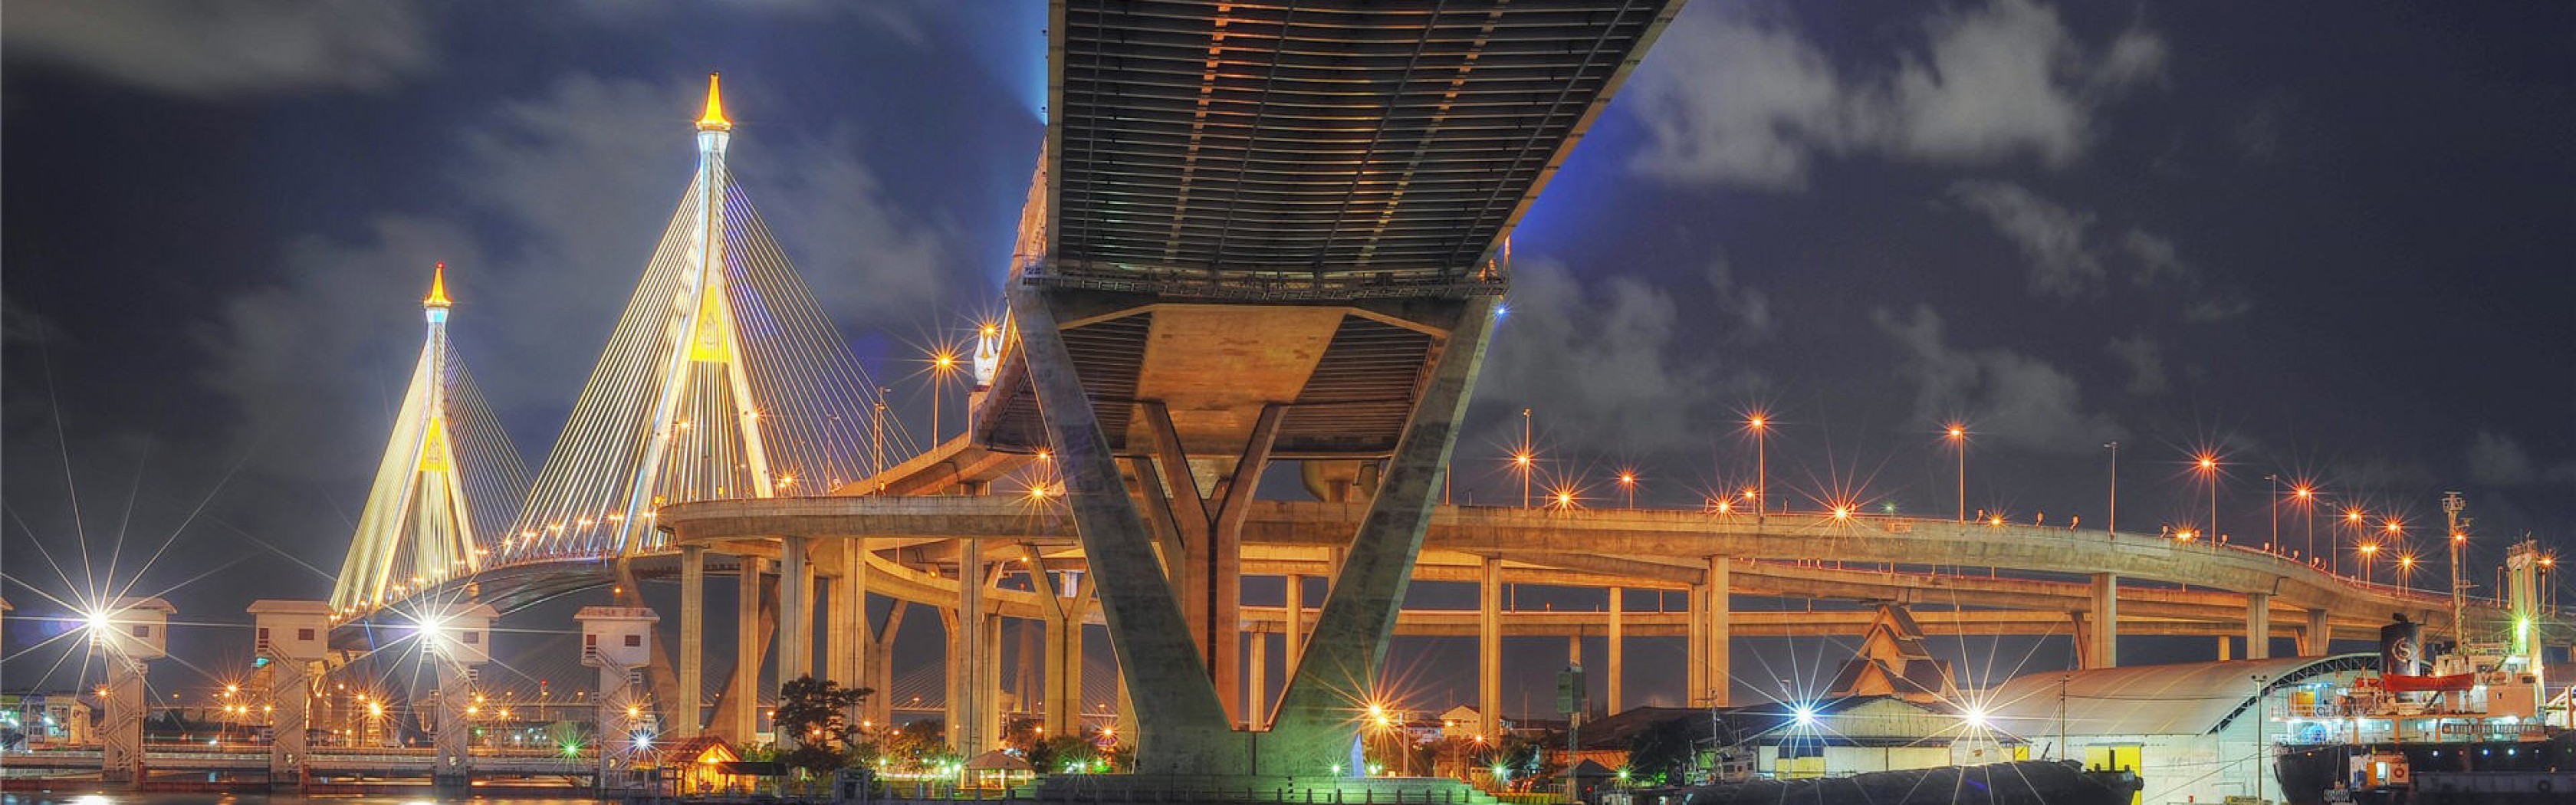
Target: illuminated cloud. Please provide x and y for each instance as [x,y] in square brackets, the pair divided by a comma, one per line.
[1735,94]
[216,49]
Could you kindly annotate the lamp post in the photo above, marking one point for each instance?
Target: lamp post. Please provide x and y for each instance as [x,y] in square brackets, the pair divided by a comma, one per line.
[2275,507]
[2113,523]
[2307,497]
[1522,460]
[1628,485]
[943,363]
[2369,552]
[1959,444]
[1761,426]
[2208,465]
[2352,519]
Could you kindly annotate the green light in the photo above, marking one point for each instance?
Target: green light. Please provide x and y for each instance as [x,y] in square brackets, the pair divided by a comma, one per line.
[571,749]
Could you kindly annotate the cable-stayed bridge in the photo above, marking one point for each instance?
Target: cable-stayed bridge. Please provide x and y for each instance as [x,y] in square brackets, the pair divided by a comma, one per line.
[1257,232]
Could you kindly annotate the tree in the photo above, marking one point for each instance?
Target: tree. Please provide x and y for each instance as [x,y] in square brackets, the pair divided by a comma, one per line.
[1660,753]
[812,713]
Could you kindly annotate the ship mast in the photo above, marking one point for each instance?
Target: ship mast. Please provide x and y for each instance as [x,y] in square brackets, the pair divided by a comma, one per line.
[2452,504]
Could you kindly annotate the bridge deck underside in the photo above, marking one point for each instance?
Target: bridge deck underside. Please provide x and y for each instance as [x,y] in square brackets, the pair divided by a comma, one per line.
[1339,148]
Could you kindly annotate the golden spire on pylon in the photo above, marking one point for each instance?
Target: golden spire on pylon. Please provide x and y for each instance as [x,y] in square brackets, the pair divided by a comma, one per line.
[437,288]
[714,120]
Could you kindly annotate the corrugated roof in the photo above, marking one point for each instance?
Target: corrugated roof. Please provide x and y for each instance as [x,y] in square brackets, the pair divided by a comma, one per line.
[2181,699]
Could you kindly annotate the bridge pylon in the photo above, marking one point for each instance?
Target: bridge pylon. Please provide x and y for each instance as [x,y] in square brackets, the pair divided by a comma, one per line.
[723,379]
[448,469]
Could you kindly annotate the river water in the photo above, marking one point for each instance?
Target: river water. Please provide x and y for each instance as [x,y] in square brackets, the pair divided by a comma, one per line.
[130,798]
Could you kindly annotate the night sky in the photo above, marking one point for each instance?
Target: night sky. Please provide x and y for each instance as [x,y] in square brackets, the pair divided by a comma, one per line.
[2333,242]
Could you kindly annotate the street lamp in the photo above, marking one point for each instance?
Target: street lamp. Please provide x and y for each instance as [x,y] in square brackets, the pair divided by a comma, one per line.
[2369,552]
[1760,424]
[2207,464]
[2275,507]
[1628,486]
[943,365]
[2307,497]
[1959,444]
[2113,523]
[1524,460]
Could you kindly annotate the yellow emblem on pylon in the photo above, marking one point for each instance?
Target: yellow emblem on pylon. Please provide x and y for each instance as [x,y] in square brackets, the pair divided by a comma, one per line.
[433,447]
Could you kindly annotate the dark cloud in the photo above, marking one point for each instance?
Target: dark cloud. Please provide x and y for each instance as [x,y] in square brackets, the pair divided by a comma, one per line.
[216,49]
[1735,94]
[1618,357]
[2050,235]
[2014,398]
[2146,362]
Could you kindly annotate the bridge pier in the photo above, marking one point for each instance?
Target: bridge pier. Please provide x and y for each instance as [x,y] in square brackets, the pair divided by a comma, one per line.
[2316,639]
[2105,623]
[130,633]
[973,673]
[2258,626]
[740,712]
[850,642]
[795,613]
[456,640]
[1616,666]
[687,714]
[880,667]
[1712,626]
[292,635]
[618,642]
[1489,651]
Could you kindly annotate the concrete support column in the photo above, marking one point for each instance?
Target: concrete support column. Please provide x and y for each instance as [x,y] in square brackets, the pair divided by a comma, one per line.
[1719,631]
[880,668]
[967,685]
[1064,672]
[2105,622]
[1694,646]
[1292,640]
[2258,626]
[743,699]
[1256,682]
[120,735]
[2225,646]
[453,766]
[847,623]
[1183,725]
[1489,651]
[1616,668]
[988,720]
[686,715]
[2317,639]
[1312,729]
[290,691]
[795,611]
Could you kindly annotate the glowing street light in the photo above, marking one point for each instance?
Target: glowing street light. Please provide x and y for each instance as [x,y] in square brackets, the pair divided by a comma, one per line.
[2369,552]
[943,365]
[1628,486]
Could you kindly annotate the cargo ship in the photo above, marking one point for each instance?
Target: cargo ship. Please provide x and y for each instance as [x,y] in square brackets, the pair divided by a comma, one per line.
[2438,722]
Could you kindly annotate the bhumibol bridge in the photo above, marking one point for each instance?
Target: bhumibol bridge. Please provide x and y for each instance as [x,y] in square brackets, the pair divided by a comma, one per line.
[1258,233]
